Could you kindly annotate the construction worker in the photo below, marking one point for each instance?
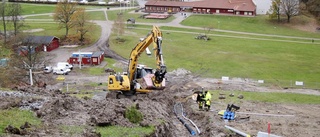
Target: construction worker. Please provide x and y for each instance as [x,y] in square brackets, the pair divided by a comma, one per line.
[200,100]
[207,98]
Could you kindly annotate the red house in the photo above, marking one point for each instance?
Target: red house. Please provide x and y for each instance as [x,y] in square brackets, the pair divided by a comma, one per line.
[42,43]
[97,57]
[87,58]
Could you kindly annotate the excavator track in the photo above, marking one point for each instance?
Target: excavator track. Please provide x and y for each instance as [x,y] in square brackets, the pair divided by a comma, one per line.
[120,95]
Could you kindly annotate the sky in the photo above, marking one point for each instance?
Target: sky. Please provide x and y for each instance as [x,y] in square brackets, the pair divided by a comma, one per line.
[262,6]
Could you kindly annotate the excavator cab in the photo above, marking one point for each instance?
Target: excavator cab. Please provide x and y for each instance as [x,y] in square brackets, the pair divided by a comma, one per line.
[118,81]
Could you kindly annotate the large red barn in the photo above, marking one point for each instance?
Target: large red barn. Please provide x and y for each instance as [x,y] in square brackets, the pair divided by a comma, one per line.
[233,7]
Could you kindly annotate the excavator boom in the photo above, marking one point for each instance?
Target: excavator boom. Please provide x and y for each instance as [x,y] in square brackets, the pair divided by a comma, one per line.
[138,77]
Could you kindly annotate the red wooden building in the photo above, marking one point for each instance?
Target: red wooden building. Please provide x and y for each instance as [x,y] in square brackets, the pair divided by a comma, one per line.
[37,44]
[97,57]
[232,7]
[87,58]
[42,43]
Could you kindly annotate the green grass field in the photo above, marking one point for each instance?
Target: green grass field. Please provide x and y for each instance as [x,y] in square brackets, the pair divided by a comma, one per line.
[117,131]
[272,97]
[16,118]
[257,57]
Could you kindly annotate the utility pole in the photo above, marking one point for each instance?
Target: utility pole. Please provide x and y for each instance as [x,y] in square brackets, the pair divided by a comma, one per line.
[80,59]
[30,72]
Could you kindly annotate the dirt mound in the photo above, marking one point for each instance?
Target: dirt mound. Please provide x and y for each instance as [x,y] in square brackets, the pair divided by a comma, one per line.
[65,110]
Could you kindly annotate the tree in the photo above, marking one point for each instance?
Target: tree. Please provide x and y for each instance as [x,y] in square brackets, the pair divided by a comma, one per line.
[275,10]
[14,14]
[3,15]
[119,25]
[313,6]
[24,60]
[63,14]
[290,8]
[81,22]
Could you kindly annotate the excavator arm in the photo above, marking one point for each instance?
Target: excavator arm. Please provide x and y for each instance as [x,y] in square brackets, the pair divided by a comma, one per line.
[140,79]
[155,37]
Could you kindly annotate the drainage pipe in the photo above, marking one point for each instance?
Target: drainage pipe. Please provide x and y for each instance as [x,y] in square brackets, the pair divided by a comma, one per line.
[187,126]
[183,122]
[189,120]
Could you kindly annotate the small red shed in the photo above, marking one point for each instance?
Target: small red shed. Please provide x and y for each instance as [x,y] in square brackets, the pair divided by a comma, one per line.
[42,43]
[97,57]
[85,58]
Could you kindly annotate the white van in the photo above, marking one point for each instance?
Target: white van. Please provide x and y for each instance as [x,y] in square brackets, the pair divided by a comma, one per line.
[61,71]
[64,64]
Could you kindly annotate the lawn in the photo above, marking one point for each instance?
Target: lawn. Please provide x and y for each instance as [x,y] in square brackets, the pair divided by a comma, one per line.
[272,97]
[112,15]
[258,24]
[269,59]
[16,118]
[117,131]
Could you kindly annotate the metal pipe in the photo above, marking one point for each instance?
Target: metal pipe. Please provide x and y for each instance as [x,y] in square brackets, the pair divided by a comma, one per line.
[237,131]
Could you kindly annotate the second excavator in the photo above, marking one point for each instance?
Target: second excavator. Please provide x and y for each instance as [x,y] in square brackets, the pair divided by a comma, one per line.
[139,78]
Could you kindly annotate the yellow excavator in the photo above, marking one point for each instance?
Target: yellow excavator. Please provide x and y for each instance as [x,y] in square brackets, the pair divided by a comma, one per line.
[139,78]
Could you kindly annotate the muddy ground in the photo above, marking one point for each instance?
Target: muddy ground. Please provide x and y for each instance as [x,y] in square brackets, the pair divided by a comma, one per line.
[55,108]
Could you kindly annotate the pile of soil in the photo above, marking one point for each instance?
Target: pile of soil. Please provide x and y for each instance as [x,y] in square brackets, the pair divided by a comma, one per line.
[56,108]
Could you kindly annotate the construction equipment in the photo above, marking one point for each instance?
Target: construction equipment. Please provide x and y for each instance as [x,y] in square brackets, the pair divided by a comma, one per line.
[230,112]
[139,78]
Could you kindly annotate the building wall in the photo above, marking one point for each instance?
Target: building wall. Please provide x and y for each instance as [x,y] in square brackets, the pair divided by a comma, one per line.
[53,45]
[159,9]
[84,61]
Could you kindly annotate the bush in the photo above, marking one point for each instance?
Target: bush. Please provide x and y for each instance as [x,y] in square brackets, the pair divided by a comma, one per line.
[133,114]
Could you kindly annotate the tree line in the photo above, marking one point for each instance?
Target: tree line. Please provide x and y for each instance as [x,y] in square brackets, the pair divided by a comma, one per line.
[290,8]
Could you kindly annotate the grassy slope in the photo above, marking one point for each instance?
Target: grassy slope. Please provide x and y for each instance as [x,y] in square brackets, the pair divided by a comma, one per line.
[234,57]
[272,97]
[16,118]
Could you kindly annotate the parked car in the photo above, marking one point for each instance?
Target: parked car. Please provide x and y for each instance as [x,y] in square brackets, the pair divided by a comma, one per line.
[47,69]
[61,71]
[65,64]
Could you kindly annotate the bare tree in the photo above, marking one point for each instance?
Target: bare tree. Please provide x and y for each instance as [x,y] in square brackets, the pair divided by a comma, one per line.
[290,8]
[14,14]
[3,16]
[63,14]
[119,25]
[26,58]
[313,6]
[274,11]
[81,22]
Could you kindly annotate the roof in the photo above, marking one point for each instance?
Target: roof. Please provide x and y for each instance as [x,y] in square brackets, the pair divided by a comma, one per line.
[97,53]
[237,5]
[39,39]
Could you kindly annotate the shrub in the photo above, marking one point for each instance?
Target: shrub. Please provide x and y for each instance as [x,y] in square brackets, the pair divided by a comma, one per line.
[133,114]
